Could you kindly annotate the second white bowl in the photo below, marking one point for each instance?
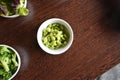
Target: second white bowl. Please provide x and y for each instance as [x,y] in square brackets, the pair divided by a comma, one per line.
[44,25]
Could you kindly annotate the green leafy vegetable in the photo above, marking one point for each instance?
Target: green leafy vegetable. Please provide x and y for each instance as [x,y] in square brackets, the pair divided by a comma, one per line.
[12,7]
[55,36]
[8,62]
[22,11]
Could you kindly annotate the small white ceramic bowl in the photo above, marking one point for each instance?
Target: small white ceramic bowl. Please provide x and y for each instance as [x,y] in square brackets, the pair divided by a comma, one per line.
[44,25]
[19,60]
[16,15]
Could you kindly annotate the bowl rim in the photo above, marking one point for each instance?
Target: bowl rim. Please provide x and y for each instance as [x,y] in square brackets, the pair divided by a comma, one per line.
[62,49]
[19,60]
[15,15]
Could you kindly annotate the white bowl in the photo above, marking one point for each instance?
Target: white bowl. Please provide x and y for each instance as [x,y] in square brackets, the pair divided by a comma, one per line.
[16,15]
[19,60]
[44,25]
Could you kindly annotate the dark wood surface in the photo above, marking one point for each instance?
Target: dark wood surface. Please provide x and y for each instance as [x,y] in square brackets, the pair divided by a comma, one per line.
[96,46]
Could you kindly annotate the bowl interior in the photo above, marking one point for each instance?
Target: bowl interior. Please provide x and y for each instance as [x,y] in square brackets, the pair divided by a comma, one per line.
[44,25]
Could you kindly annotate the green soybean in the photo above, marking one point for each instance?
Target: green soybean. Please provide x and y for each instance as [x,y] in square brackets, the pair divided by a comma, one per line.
[55,35]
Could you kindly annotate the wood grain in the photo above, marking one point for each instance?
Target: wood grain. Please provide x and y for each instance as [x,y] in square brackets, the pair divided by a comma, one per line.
[96,46]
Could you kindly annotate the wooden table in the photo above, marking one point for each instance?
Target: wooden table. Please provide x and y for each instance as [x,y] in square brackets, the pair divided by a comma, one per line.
[96,46]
